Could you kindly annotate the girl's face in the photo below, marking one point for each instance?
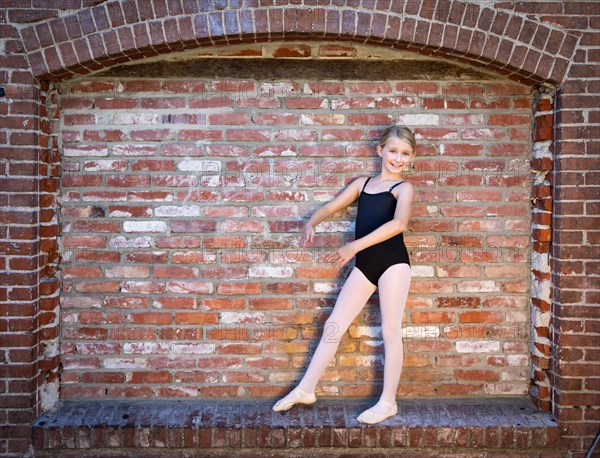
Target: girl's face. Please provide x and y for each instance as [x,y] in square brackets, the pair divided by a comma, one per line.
[395,155]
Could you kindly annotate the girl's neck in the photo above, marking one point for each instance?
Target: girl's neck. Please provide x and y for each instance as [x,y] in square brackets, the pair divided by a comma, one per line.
[389,177]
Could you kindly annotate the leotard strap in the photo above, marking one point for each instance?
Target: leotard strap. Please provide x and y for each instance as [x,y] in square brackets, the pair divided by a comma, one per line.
[363,188]
[394,185]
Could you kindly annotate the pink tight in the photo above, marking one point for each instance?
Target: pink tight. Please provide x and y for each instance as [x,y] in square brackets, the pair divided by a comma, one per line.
[393,291]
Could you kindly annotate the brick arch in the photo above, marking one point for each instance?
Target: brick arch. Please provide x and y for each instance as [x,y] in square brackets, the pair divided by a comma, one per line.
[516,46]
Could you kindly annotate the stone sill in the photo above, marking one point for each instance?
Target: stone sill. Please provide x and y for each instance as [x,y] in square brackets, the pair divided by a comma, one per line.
[470,423]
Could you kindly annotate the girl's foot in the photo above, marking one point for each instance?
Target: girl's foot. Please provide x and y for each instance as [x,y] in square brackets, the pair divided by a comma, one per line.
[378,412]
[296,396]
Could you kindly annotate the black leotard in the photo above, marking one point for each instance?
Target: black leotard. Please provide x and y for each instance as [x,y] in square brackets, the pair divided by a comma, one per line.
[374,210]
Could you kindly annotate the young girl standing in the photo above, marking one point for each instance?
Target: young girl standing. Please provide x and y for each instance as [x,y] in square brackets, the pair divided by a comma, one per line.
[384,206]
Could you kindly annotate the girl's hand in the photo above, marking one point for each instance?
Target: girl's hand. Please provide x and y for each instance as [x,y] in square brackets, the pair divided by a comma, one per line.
[308,235]
[342,255]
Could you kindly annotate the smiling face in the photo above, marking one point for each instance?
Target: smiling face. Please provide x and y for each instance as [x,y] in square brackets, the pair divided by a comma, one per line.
[396,155]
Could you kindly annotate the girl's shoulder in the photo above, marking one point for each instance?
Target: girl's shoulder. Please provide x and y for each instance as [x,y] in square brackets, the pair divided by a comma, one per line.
[404,188]
[360,182]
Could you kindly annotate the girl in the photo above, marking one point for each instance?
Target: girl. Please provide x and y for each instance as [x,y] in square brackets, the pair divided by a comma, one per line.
[384,205]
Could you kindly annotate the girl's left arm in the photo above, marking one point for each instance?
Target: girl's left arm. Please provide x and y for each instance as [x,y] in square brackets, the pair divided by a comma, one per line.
[382,233]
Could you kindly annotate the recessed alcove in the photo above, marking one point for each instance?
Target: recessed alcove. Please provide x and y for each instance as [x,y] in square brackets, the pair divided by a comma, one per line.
[185,179]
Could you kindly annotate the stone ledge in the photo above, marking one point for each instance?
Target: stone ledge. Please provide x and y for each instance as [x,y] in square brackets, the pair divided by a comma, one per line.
[492,424]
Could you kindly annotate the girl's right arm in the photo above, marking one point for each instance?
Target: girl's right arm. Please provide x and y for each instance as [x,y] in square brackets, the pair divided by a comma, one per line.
[341,201]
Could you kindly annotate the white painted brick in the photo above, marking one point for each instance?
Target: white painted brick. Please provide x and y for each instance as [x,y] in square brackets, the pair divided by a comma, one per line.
[542,149]
[125,363]
[145,348]
[49,395]
[126,214]
[540,261]
[448,136]
[86,151]
[51,348]
[477,346]
[133,150]
[540,319]
[324,287]
[78,363]
[242,317]
[173,210]
[419,119]
[96,348]
[192,348]
[136,118]
[69,317]
[518,360]
[198,165]
[138,242]
[422,271]
[270,272]
[83,302]
[144,226]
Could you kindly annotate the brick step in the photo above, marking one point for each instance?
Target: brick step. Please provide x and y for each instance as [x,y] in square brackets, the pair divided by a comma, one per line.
[482,427]
[323,452]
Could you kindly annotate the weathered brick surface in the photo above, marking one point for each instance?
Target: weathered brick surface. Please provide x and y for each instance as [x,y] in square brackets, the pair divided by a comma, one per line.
[196,236]
[498,426]
[530,41]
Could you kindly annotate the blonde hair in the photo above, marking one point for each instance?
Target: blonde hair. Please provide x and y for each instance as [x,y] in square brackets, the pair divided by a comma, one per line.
[401,133]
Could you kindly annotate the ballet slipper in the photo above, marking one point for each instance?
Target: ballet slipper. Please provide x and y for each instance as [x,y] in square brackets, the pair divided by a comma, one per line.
[375,414]
[297,396]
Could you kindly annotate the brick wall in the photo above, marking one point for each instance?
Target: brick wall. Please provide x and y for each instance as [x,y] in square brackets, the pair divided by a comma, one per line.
[553,43]
[182,201]
[28,250]
[575,326]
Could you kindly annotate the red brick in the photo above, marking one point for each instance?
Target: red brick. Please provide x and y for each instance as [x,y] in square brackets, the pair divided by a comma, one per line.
[305,102]
[151,377]
[151,318]
[195,318]
[509,120]
[298,50]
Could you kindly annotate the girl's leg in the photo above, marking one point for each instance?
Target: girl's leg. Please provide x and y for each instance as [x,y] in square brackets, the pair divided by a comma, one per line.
[352,298]
[393,292]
